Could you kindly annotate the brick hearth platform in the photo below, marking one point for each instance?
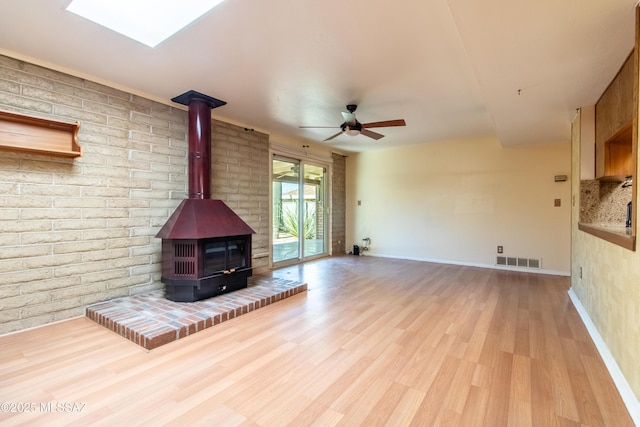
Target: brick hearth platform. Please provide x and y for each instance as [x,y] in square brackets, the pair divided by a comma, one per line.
[150,320]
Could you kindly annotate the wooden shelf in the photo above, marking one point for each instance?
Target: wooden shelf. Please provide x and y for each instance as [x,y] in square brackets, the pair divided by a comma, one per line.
[618,153]
[36,135]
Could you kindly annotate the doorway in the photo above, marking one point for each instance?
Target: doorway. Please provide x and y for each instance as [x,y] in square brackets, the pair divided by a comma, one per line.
[299,222]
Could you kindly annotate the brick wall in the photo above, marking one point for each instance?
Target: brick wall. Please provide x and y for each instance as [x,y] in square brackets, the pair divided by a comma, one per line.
[240,177]
[77,231]
[339,205]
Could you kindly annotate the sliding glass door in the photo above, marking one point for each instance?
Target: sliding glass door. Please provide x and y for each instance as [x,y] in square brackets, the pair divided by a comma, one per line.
[313,213]
[299,211]
[286,212]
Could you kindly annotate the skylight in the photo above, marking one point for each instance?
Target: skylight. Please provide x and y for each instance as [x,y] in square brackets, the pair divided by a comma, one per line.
[147,21]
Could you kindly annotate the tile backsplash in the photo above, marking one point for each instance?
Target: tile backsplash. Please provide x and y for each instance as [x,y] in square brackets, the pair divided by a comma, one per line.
[603,202]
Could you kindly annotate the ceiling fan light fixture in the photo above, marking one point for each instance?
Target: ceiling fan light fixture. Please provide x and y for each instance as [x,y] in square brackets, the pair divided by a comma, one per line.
[351,132]
[351,129]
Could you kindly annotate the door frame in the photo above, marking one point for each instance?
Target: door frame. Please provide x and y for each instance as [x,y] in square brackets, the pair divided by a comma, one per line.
[303,157]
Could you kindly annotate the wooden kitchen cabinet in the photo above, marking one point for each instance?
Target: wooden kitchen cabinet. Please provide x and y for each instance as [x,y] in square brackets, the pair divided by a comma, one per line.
[614,125]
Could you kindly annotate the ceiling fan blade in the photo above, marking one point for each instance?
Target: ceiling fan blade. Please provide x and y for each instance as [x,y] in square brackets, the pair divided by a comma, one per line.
[317,127]
[349,118]
[332,136]
[384,124]
[371,134]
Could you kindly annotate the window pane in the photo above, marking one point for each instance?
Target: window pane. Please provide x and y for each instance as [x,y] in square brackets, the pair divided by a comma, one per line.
[314,210]
[286,230]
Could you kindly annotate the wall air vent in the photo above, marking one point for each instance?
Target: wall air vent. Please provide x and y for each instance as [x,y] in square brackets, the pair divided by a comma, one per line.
[519,262]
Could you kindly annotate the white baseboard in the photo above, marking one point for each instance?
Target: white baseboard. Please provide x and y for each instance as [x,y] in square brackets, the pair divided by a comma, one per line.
[629,398]
[471,264]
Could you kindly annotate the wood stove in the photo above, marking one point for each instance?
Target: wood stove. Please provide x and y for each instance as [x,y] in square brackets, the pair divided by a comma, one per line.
[202,268]
[206,247]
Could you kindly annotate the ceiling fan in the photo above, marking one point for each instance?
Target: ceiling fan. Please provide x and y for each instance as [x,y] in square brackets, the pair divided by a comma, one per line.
[353,127]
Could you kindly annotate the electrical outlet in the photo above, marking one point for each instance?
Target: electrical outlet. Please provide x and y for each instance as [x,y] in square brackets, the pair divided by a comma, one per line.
[499,249]
[556,202]
[581,272]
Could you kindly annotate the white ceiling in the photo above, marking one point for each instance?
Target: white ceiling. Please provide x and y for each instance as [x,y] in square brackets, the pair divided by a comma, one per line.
[451,68]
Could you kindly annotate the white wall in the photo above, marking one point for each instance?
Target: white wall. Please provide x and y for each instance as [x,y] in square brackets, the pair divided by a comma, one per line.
[455,201]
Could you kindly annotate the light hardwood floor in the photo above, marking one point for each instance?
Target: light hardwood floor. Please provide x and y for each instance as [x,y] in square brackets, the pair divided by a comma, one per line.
[373,342]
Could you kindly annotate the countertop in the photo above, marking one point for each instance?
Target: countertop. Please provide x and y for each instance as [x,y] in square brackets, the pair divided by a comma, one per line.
[614,233]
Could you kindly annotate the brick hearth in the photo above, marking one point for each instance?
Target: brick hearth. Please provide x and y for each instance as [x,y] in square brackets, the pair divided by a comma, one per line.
[150,320]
